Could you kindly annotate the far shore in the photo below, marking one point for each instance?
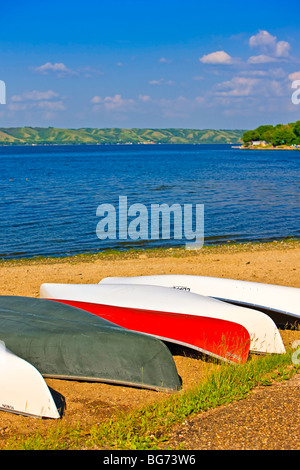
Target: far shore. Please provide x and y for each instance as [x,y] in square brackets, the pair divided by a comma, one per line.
[269,147]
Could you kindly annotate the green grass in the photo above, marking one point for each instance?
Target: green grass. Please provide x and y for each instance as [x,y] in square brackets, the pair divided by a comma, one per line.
[149,427]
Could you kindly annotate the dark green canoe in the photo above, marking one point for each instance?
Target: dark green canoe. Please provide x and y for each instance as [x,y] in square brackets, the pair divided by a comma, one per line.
[66,342]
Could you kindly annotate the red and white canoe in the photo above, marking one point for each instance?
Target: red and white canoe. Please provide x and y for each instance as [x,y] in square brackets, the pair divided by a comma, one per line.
[221,339]
[264,335]
[281,303]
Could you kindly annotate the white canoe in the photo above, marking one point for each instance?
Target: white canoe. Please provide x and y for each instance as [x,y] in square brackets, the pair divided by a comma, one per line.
[264,335]
[280,302]
[23,390]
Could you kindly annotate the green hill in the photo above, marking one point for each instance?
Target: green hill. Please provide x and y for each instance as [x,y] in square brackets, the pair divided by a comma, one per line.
[52,135]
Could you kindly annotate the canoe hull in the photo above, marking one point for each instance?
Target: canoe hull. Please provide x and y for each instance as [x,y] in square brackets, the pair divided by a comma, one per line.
[264,335]
[221,339]
[65,342]
[23,389]
[281,303]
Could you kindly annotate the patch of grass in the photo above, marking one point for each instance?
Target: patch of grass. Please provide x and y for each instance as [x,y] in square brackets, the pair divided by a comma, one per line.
[149,427]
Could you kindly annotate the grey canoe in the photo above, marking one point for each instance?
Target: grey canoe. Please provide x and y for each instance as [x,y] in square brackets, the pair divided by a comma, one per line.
[62,341]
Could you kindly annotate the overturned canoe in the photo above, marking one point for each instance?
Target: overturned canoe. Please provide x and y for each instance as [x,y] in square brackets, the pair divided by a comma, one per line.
[23,390]
[281,303]
[221,339]
[264,335]
[65,342]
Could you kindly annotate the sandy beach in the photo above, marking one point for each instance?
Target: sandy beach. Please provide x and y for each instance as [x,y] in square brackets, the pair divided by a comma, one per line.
[273,263]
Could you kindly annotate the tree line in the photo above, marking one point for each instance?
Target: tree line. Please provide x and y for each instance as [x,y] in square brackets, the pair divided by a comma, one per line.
[281,134]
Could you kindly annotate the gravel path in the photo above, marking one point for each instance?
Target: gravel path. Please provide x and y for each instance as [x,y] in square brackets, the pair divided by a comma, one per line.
[269,419]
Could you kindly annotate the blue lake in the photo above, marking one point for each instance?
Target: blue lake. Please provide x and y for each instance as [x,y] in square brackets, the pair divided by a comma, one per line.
[49,194]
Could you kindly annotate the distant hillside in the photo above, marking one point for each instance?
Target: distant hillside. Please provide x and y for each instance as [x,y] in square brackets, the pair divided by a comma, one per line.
[52,135]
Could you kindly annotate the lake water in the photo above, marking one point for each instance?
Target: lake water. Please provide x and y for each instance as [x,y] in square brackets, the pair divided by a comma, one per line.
[49,194]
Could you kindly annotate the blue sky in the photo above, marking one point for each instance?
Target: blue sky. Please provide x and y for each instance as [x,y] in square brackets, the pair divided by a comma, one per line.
[131,63]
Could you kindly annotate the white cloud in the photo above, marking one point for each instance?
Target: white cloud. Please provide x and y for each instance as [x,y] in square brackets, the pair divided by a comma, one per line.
[96,100]
[58,68]
[161,81]
[36,99]
[144,98]
[88,72]
[218,57]
[254,73]
[268,44]
[35,95]
[112,103]
[270,73]
[282,49]
[52,105]
[261,59]
[163,60]
[168,108]
[294,76]
[263,40]
[246,87]
[238,86]
[156,82]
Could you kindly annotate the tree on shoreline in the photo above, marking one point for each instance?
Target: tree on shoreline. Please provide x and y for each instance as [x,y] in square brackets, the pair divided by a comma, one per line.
[288,134]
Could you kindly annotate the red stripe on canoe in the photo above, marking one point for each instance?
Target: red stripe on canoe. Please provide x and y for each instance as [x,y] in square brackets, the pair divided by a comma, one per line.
[224,339]
[217,337]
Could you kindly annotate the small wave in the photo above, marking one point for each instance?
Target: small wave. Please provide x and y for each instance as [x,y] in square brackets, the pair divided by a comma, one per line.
[163,187]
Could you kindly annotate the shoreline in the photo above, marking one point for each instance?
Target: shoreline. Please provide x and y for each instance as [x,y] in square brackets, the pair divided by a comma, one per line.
[133,253]
[61,144]
[267,147]
[270,263]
